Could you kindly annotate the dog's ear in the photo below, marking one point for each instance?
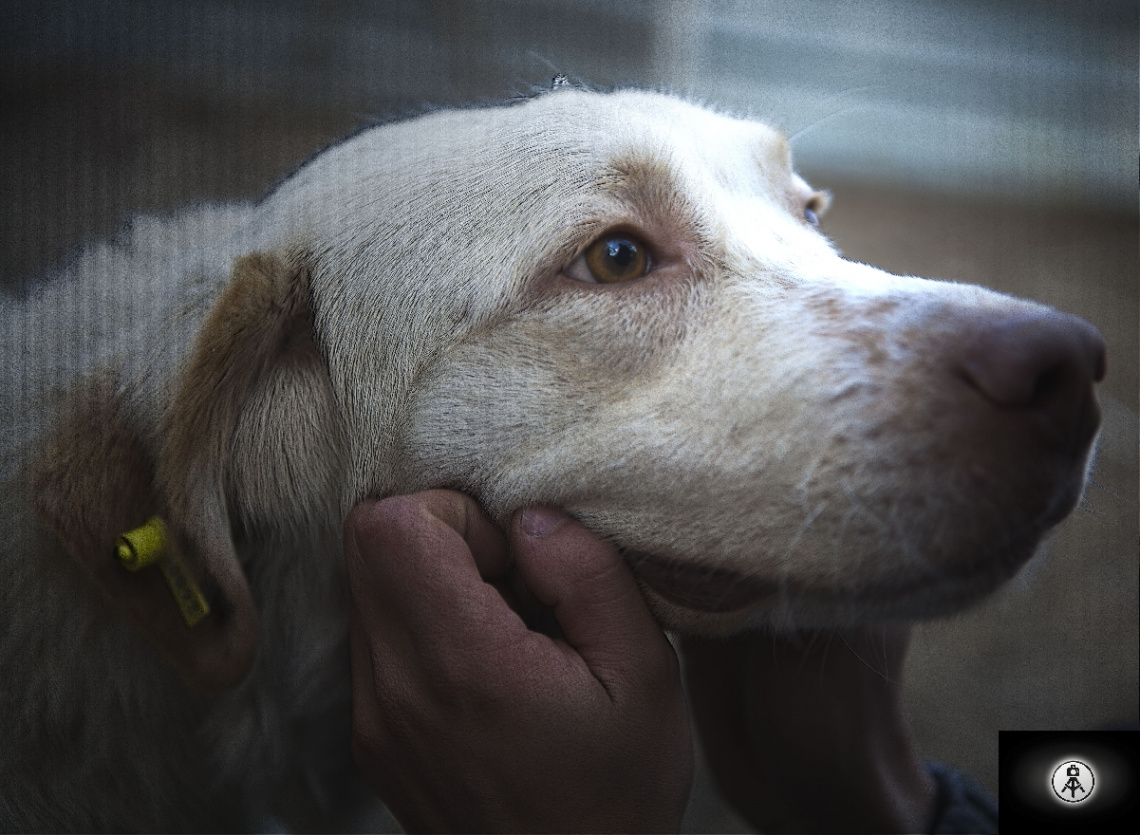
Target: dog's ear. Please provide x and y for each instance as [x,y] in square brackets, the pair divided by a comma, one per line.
[99,480]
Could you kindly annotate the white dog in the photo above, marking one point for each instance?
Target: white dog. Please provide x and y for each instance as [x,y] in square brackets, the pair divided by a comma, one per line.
[619,304]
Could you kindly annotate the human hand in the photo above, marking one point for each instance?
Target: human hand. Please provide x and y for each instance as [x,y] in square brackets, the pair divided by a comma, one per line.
[805,732]
[464,719]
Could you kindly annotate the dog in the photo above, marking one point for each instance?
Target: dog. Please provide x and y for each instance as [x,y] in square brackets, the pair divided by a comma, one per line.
[620,304]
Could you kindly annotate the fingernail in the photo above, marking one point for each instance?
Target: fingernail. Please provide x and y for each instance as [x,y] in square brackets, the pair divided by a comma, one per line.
[540,522]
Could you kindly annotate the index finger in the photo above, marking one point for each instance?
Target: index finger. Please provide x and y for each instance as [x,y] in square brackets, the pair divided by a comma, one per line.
[414,515]
[421,555]
[595,599]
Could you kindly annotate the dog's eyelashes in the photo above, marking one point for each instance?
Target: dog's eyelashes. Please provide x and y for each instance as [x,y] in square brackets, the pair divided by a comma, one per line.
[610,259]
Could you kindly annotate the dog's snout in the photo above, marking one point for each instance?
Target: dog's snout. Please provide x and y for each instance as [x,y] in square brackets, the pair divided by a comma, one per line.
[1042,364]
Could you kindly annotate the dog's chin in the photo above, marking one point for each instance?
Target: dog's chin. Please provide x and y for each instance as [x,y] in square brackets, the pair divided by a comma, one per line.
[700,588]
[699,600]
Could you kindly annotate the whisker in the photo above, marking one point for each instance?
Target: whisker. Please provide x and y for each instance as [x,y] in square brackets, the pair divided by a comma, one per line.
[1094,483]
[851,91]
[884,675]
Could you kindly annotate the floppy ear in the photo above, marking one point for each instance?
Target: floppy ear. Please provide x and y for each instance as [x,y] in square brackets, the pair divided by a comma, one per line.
[98,479]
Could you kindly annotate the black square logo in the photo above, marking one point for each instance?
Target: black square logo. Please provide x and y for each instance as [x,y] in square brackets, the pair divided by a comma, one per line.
[1068,781]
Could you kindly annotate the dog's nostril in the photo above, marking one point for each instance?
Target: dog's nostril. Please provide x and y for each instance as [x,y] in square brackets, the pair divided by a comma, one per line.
[1042,362]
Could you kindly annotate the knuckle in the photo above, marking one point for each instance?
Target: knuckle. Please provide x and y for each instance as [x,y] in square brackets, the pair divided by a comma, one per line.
[399,513]
[430,511]
[454,683]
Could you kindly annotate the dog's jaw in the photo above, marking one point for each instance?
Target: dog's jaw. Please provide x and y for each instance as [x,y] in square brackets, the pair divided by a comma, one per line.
[727,602]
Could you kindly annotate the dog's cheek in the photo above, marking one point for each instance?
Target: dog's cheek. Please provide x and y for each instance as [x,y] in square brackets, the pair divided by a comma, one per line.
[506,417]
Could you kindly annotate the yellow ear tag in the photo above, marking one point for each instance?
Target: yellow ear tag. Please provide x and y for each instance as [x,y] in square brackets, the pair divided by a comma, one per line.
[147,545]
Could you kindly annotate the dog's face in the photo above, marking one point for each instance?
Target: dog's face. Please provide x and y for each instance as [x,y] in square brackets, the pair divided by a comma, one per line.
[620,304]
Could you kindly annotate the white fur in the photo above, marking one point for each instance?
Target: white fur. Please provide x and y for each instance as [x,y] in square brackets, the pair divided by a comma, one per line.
[755,403]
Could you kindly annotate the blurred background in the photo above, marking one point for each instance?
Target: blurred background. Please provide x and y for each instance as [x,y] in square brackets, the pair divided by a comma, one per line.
[989,141]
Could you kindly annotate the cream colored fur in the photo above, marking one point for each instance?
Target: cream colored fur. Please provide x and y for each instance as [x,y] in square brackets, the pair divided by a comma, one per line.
[396,316]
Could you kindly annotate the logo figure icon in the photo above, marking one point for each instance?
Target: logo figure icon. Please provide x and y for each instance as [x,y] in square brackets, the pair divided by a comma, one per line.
[1073,781]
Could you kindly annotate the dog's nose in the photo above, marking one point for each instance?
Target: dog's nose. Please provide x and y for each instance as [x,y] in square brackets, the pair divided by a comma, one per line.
[1042,363]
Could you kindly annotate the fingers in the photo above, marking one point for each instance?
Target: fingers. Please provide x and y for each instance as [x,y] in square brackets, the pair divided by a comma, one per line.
[367,729]
[411,557]
[593,594]
[464,719]
[437,514]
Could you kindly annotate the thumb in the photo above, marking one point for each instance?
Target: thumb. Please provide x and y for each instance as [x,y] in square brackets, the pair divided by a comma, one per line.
[593,594]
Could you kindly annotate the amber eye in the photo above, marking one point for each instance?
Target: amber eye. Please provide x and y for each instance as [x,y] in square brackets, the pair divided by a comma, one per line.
[616,257]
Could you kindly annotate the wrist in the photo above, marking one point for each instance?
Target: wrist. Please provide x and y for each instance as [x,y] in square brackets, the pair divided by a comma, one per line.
[807,732]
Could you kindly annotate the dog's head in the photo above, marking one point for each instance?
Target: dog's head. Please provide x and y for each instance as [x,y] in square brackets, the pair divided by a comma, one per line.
[621,304]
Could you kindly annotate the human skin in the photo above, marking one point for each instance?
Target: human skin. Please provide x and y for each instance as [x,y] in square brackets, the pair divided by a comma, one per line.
[467,719]
[464,719]
[806,732]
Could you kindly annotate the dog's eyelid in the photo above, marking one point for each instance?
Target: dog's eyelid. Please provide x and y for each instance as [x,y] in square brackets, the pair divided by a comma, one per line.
[578,270]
